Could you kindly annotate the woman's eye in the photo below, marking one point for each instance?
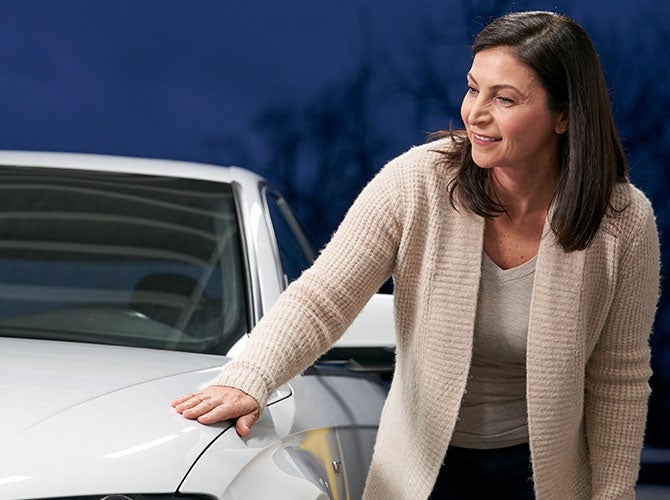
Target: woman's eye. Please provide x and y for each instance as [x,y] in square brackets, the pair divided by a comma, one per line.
[505,100]
[472,90]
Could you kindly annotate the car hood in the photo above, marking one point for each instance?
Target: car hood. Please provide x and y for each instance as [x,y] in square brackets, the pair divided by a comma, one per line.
[84,418]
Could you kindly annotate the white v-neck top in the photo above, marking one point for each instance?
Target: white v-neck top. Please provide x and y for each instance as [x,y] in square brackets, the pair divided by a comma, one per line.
[493,410]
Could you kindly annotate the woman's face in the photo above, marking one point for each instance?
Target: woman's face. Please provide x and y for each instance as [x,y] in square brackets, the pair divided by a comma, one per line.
[506,116]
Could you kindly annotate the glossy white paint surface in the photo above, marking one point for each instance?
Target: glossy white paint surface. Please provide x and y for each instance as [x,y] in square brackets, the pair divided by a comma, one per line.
[105,163]
[374,326]
[83,418]
[307,432]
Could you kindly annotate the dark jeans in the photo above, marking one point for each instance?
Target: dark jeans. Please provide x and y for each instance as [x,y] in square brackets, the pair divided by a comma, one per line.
[496,474]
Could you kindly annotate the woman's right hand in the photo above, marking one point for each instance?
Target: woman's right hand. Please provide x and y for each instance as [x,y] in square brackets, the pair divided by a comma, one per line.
[216,403]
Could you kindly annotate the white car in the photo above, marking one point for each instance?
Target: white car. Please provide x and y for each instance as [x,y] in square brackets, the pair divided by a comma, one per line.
[125,283]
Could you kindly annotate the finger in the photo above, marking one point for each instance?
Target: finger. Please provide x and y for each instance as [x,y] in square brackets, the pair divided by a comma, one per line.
[217,414]
[180,400]
[200,408]
[244,423]
[193,402]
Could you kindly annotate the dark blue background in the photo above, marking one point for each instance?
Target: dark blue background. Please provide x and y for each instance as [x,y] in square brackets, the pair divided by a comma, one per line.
[316,96]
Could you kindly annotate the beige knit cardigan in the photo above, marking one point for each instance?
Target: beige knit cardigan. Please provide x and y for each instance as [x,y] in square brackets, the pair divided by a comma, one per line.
[587,354]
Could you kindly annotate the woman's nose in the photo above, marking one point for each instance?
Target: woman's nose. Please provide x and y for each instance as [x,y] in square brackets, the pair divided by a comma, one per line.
[478,111]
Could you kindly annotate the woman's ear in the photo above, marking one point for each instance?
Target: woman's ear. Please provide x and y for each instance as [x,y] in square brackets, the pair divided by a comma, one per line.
[562,123]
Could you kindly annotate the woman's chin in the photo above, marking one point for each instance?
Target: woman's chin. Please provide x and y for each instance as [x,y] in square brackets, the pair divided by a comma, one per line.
[483,163]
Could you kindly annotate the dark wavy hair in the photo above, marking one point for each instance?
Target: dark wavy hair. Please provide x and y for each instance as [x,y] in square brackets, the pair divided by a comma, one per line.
[591,158]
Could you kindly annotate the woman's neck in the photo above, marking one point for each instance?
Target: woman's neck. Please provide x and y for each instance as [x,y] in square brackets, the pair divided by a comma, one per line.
[523,194]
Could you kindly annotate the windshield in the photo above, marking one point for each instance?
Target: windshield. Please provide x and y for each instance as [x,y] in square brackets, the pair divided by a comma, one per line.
[124,259]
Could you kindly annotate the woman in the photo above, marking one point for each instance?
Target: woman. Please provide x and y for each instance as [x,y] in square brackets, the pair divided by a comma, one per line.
[526,275]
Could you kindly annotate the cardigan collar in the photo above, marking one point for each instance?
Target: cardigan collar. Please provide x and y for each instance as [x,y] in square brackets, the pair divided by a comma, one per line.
[555,350]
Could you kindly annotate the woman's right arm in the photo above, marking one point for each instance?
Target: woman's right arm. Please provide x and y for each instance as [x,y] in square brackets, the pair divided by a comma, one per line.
[312,313]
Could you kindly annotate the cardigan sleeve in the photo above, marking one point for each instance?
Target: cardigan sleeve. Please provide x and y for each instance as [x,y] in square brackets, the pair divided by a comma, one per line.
[618,370]
[315,310]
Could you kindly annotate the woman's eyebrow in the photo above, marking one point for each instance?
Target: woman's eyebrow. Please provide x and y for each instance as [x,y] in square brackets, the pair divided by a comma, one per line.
[500,86]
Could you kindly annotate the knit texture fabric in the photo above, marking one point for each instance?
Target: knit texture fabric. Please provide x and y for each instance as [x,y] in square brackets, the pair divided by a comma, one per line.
[587,351]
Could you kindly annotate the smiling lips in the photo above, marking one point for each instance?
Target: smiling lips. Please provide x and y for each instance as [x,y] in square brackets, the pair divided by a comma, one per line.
[485,138]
